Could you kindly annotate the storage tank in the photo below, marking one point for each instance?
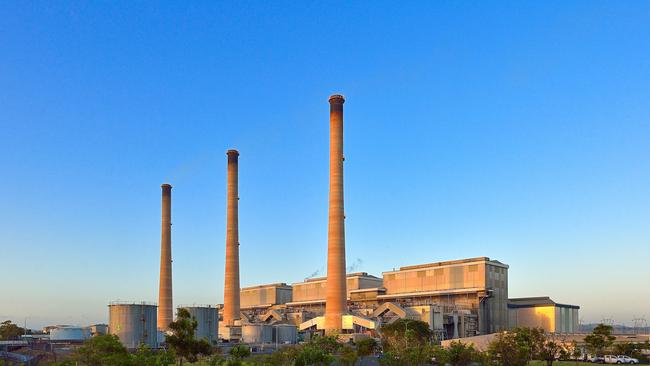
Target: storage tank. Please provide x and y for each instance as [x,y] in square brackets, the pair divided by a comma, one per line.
[68,334]
[257,333]
[207,319]
[134,323]
[285,334]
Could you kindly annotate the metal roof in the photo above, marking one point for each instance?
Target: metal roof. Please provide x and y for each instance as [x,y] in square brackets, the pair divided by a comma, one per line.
[528,302]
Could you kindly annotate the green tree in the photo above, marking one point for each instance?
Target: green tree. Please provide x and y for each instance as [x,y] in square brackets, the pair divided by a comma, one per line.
[216,360]
[10,331]
[311,355]
[457,354]
[182,341]
[403,333]
[240,352]
[418,355]
[600,339]
[103,350]
[550,351]
[284,356]
[348,356]
[144,356]
[506,350]
[329,344]
[366,347]
[531,339]
[406,342]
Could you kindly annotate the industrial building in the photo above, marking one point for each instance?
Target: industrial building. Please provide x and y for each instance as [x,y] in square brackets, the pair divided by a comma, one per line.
[544,313]
[478,285]
[312,292]
[456,298]
[265,296]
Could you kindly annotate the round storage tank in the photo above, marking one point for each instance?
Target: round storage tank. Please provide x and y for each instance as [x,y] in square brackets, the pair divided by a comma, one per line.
[286,333]
[257,333]
[68,333]
[134,323]
[207,319]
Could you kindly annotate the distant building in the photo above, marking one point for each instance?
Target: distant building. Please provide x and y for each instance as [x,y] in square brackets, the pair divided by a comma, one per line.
[543,312]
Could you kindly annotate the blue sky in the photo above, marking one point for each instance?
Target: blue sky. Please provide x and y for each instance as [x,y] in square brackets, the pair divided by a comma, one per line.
[514,130]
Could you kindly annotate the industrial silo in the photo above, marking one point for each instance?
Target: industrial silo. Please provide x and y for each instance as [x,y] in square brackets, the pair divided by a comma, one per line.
[207,319]
[134,323]
[285,333]
[257,333]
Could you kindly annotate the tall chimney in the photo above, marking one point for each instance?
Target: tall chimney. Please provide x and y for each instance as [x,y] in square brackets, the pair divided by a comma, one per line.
[165,306]
[231,288]
[336,300]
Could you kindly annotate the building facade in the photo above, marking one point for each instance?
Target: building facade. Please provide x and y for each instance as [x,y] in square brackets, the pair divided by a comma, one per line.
[264,296]
[478,285]
[542,312]
[459,298]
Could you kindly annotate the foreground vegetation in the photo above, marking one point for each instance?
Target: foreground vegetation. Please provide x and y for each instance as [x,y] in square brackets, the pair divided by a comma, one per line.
[403,343]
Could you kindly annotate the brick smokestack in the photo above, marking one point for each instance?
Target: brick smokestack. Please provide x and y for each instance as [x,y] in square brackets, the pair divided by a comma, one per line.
[231,288]
[336,300]
[165,305]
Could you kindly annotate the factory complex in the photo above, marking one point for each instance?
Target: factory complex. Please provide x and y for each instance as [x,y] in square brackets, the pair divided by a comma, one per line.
[457,298]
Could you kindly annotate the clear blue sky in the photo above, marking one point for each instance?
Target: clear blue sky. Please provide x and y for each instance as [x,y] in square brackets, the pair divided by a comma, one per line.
[518,131]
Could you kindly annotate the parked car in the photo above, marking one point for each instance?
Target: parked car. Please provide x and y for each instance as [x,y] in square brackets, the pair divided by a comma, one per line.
[612,359]
[597,359]
[627,359]
[620,359]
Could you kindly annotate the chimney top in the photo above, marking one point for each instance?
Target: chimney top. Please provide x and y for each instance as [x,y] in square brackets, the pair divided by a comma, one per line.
[166,185]
[337,98]
[232,152]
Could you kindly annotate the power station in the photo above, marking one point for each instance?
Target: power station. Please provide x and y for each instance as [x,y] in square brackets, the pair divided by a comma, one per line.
[458,298]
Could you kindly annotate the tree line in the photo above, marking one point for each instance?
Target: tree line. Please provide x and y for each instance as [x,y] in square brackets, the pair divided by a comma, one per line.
[404,342]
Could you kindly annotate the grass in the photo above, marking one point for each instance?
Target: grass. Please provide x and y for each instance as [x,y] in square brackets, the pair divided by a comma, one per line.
[558,363]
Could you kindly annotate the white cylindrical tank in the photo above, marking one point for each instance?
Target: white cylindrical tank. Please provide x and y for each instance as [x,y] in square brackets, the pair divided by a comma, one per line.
[134,323]
[257,333]
[285,333]
[68,333]
[207,319]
